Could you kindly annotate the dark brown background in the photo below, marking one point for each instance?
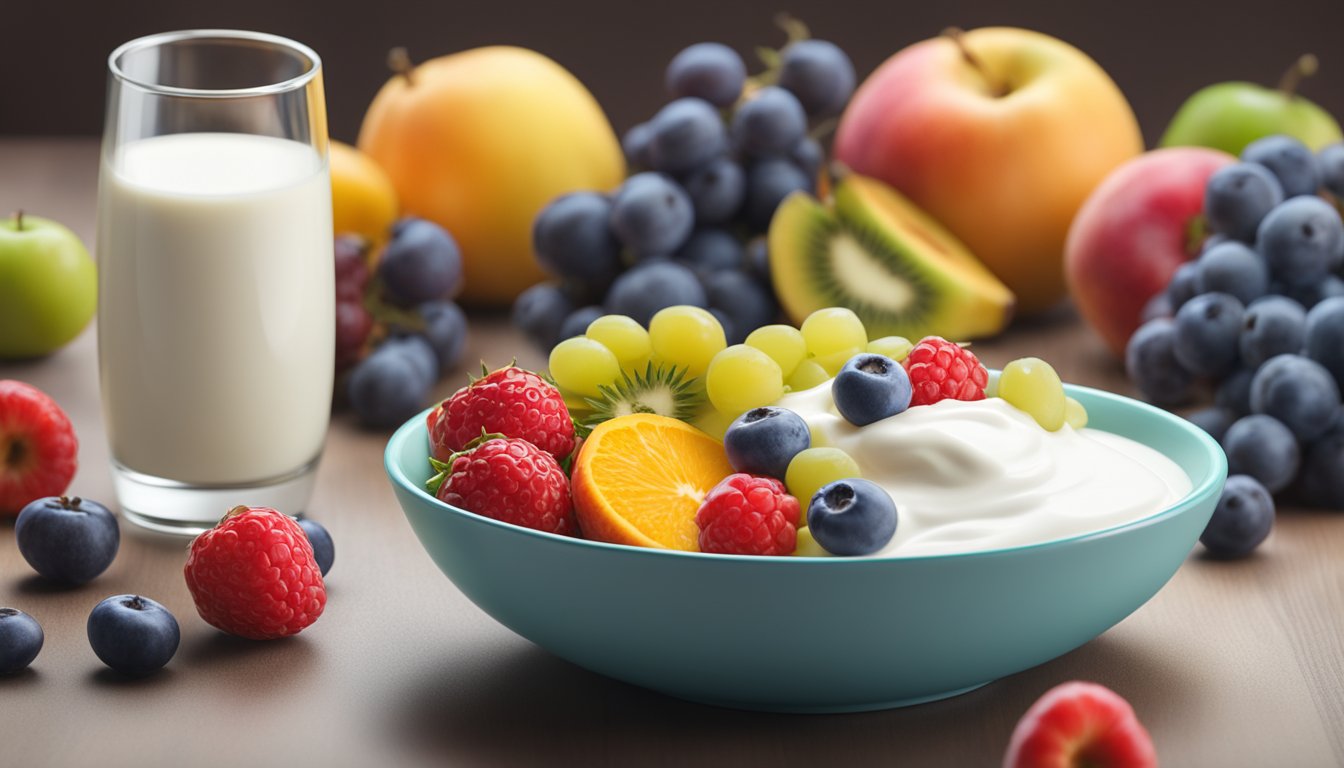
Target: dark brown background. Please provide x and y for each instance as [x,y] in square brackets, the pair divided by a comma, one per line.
[52,53]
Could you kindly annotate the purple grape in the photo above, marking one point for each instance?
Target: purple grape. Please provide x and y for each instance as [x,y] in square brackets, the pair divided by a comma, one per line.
[1237,198]
[652,215]
[819,74]
[717,191]
[647,288]
[710,71]
[768,182]
[685,135]
[572,239]
[711,250]
[770,123]
[1291,162]
[539,311]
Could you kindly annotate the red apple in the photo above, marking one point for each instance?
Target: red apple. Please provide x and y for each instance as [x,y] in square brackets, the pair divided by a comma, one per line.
[1135,229]
[1079,724]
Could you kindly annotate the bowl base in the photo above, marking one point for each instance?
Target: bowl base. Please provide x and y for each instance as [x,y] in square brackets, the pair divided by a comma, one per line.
[805,709]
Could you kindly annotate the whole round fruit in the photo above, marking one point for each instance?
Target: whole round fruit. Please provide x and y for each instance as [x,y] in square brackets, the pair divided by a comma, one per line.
[39,451]
[686,337]
[421,263]
[627,339]
[710,71]
[1297,391]
[769,181]
[1237,198]
[833,329]
[1032,386]
[582,366]
[764,440]
[1242,519]
[573,241]
[20,640]
[479,142]
[769,123]
[1262,447]
[1208,329]
[69,541]
[363,201]
[132,634]
[783,343]
[48,286]
[652,215]
[687,133]
[1150,362]
[387,387]
[1291,162]
[1302,240]
[815,467]
[1232,268]
[746,303]
[870,388]
[649,288]
[819,74]
[852,517]
[539,311]
[740,378]
[717,190]
[324,550]
[1325,336]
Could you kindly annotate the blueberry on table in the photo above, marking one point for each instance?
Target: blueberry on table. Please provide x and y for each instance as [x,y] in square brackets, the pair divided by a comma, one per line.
[324,550]
[133,635]
[1237,198]
[67,540]
[572,238]
[1297,391]
[1150,362]
[648,288]
[687,134]
[420,263]
[20,640]
[1208,329]
[1302,240]
[710,71]
[1271,326]
[852,517]
[1262,447]
[1325,336]
[717,190]
[1232,268]
[1291,162]
[538,313]
[1214,420]
[387,387]
[1241,521]
[652,215]
[769,123]
[819,74]
[764,440]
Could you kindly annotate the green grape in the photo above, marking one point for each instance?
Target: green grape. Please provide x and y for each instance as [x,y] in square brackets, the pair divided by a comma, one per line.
[807,375]
[807,545]
[1032,386]
[895,347]
[992,386]
[832,362]
[712,422]
[741,378]
[815,467]
[783,343]
[686,337]
[581,365]
[626,339]
[832,330]
[1075,415]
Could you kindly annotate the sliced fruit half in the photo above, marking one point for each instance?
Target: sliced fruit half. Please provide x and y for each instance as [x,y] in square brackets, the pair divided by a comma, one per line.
[878,254]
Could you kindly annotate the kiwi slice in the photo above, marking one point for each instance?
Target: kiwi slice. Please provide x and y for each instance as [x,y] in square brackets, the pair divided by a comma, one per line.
[878,254]
[660,389]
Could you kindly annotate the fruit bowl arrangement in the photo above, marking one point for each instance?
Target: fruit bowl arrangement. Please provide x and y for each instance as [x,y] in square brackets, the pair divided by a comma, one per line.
[759,632]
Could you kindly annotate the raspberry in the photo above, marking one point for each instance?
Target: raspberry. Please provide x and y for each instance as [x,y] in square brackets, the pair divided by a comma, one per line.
[254,575]
[941,370]
[38,448]
[510,480]
[748,515]
[511,402]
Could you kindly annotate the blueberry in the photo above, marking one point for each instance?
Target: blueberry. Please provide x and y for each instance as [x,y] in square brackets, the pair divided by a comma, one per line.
[1214,421]
[770,123]
[710,71]
[758,258]
[1331,162]
[1262,447]
[1234,392]
[1158,306]
[1301,240]
[717,190]
[1151,364]
[651,214]
[417,349]
[711,250]
[421,263]
[1182,288]
[572,238]
[446,331]
[650,287]
[538,313]
[324,550]
[1320,482]
[1237,198]
[808,156]
[1291,162]
[1241,521]
[687,133]
[635,145]
[576,324]
[769,181]
[387,387]
[1325,336]
[67,540]
[852,517]
[1208,328]
[819,74]
[763,441]
[1297,391]
[870,388]
[1273,325]
[1232,268]
[1311,294]
[20,640]
[132,634]
[745,301]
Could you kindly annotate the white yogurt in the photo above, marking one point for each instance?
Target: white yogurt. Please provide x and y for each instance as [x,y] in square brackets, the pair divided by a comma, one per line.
[973,476]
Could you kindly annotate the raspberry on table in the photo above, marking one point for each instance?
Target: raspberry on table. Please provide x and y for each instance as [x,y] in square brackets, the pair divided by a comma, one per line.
[510,480]
[942,370]
[254,575]
[748,515]
[512,402]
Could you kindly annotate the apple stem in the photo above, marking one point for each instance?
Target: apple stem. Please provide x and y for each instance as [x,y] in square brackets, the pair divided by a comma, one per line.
[958,36]
[399,61]
[18,220]
[1305,66]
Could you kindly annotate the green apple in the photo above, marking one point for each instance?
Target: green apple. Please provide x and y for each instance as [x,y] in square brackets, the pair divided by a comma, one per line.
[48,286]
[1228,116]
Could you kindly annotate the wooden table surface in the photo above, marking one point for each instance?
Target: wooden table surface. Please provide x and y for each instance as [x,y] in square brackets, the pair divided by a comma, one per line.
[1232,664]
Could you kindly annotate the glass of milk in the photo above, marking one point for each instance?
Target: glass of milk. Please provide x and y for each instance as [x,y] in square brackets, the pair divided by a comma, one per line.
[215,275]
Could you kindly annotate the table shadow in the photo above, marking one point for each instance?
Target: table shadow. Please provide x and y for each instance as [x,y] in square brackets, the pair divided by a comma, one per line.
[106,677]
[35,584]
[24,678]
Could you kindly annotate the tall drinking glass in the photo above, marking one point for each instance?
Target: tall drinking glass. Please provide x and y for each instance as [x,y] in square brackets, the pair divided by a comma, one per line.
[215,291]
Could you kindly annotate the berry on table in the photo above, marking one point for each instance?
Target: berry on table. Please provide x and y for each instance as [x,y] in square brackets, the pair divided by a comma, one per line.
[1297,391]
[1232,268]
[769,123]
[38,447]
[445,329]
[710,71]
[1320,482]
[1301,240]
[1271,326]
[941,370]
[1262,447]
[509,401]
[1207,333]
[1291,162]
[1079,723]
[253,575]
[420,263]
[819,74]
[133,635]
[572,240]
[764,440]
[851,517]
[1150,362]
[1237,198]
[20,640]
[510,480]
[388,387]
[746,515]
[651,215]
[67,540]
[870,388]
[686,134]
[1241,521]
[324,549]
[539,312]
[649,288]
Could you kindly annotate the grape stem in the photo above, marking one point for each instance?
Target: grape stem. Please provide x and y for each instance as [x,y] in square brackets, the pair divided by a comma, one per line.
[958,36]
[18,220]
[399,61]
[1305,66]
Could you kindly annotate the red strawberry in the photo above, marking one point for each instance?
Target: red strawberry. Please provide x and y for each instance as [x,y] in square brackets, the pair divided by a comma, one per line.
[511,402]
[38,448]
[1077,725]
[510,480]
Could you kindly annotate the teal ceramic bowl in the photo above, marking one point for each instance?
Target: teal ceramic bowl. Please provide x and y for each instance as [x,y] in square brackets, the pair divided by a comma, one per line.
[817,634]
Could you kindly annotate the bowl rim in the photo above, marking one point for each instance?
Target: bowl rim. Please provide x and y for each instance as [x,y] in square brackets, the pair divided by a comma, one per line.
[1213,452]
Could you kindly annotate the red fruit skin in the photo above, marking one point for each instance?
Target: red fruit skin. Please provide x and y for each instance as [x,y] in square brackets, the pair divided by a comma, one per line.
[941,370]
[513,481]
[39,452]
[254,576]
[748,515]
[1080,725]
[510,402]
[1132,234]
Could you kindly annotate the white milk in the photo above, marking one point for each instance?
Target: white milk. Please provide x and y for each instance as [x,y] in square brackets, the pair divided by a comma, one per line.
[216,317]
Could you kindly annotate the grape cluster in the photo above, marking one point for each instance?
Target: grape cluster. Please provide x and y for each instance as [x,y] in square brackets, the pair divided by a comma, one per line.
[686,228]
[1260,316]
[397,328]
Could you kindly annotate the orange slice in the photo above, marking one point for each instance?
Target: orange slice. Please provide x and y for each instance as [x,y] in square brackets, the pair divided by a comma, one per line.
[640,479]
